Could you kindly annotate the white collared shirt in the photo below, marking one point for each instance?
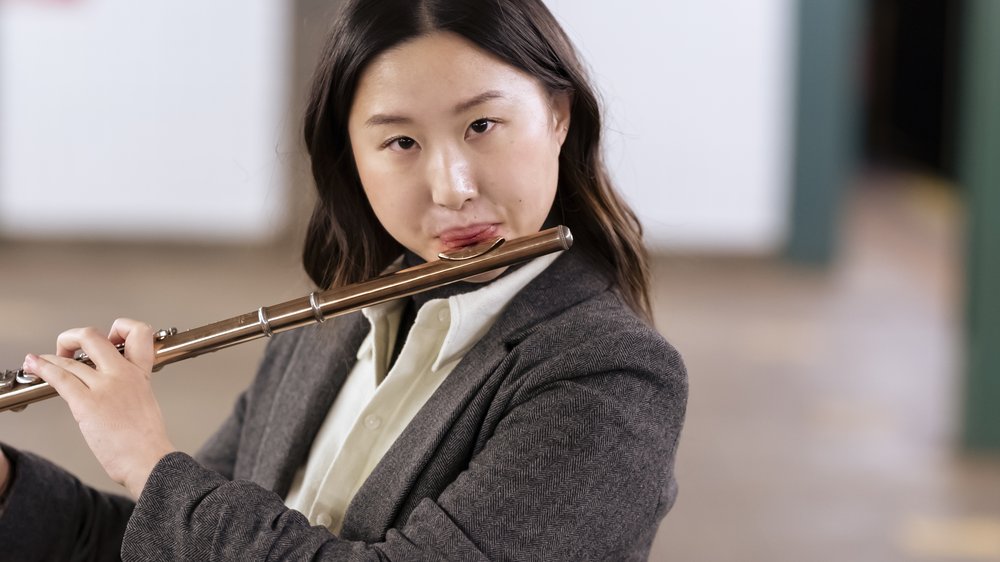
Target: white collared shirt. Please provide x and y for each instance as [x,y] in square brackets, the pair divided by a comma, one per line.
[375,406]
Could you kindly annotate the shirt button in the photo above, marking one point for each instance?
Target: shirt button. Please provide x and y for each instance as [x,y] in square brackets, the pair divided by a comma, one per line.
[373,422]
[324,519]
[443,315]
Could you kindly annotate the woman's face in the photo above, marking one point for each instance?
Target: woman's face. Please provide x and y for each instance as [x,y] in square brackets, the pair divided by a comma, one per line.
[454,146]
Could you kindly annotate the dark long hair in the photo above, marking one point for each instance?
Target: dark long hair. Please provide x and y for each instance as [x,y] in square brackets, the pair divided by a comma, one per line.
[346,243]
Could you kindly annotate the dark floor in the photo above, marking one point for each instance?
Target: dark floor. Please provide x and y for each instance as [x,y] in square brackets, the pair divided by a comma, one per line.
[821,423]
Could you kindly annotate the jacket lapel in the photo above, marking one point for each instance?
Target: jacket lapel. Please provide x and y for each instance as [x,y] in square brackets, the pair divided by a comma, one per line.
[377,504]
[311,380]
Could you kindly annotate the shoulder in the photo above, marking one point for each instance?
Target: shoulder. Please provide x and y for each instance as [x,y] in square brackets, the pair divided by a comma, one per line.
[571,322]
[594,351]
[598,365]
[602,335]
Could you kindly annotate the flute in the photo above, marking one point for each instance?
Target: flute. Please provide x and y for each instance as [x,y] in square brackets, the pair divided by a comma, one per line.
[18,389]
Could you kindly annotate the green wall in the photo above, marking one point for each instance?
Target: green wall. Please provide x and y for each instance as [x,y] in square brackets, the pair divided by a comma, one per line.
[979,168]
[826,134]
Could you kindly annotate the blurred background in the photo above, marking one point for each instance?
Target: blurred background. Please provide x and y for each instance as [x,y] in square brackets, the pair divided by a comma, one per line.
[817,179]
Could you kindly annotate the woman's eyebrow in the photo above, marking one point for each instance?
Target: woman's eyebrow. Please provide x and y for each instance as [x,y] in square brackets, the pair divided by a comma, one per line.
[383,119]
[481,98]
[386,119]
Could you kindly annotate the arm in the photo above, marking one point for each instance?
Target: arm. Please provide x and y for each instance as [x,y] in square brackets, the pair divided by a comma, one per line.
[112,402]
[43,502]
[116,410]
[50,515]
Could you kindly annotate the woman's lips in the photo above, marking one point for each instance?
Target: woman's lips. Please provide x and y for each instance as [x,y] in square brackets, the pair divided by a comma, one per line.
[454,238]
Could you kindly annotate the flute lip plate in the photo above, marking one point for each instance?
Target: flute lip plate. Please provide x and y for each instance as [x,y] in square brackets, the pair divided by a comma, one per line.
[470,252]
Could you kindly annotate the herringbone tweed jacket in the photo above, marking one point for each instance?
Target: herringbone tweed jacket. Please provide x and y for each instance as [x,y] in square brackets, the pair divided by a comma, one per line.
[553,439]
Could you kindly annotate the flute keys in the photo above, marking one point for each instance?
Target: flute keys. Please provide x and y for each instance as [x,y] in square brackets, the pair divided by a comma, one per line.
[157,336]
[163,334]
[7,379]
[26,378]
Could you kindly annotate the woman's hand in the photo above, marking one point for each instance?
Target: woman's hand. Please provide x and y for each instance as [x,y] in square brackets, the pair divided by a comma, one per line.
[113,403]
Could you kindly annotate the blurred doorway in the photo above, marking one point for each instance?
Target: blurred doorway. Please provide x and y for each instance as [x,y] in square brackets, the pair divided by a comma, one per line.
[911,84]
[906,88]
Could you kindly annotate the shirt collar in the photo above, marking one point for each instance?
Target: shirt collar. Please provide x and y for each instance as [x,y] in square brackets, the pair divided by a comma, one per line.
[473,313]
[470,314]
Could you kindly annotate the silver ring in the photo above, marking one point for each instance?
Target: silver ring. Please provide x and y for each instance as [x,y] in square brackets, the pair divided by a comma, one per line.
[264,322]
[315,306]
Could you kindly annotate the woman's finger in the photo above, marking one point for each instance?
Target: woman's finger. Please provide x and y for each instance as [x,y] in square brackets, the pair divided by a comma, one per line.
[87,375]
[92,342]
[138,338]
[67,384]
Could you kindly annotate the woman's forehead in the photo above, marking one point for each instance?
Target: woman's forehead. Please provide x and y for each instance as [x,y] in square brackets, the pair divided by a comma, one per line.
[437,72]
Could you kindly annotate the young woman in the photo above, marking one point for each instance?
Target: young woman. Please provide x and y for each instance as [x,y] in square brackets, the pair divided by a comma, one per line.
[533,413]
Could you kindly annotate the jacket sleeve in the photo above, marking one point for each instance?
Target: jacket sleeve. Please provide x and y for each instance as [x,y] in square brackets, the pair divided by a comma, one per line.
[51,515]
[580,469]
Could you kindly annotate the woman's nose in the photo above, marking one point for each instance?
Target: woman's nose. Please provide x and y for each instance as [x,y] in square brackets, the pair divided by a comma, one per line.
[451,182]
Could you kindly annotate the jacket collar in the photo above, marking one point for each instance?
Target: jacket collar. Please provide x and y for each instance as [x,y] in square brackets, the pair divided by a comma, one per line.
[310,381]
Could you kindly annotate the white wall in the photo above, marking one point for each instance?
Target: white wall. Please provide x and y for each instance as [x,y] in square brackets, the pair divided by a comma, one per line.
[699,100]
[164,119]
[157,119]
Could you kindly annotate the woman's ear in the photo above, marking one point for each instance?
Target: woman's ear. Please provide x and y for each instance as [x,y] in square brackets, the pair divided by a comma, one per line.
[562,103]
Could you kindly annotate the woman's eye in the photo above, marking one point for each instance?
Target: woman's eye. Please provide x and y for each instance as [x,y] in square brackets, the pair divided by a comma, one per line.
[480,126]
[401,143]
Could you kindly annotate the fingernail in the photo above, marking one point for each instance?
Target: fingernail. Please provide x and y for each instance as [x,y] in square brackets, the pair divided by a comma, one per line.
[29,362]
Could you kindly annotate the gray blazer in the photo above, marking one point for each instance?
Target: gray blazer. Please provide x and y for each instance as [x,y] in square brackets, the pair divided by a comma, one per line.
[553,439]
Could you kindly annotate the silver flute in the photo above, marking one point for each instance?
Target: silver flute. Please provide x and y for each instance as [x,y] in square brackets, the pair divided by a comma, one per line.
[18,388]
